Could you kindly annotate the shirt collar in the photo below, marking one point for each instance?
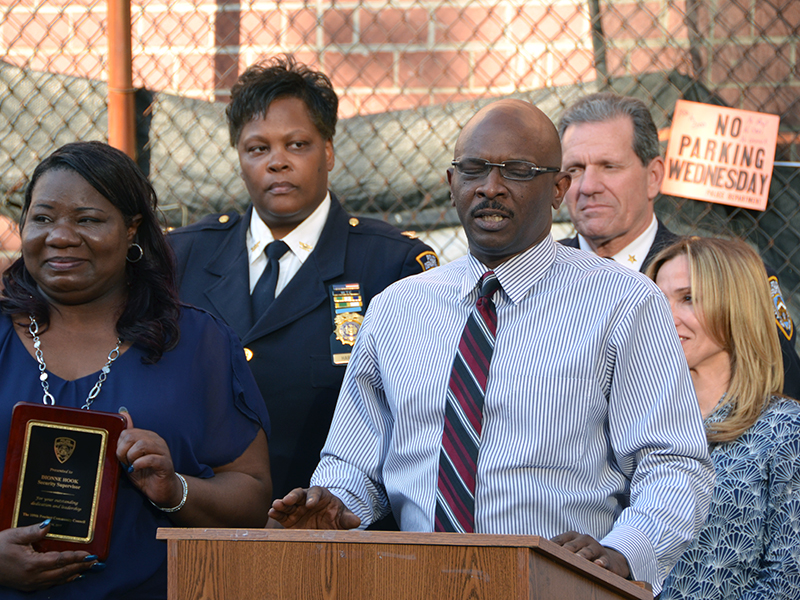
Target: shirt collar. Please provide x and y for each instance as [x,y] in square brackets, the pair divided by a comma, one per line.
[517,274]
[301,240]
[632,255]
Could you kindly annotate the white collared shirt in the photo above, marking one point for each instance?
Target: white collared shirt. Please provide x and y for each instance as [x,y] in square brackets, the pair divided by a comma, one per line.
[633,254]
[579,433]
[301,241]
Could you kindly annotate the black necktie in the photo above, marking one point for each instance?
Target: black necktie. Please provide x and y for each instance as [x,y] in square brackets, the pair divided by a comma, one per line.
[264,292]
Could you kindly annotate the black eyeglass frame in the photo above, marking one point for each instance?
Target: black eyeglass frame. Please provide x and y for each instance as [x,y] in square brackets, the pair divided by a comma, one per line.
[535,171]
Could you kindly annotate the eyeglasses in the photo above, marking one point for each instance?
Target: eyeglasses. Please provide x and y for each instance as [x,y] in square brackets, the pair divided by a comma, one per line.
[516,170]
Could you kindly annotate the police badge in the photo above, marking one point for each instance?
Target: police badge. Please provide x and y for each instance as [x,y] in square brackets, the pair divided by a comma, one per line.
[347,326]
[428,260]
[63,447]
[782,317]
[347,306]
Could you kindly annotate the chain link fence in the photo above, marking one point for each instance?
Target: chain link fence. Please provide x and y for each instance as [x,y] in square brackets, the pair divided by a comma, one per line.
[409,73]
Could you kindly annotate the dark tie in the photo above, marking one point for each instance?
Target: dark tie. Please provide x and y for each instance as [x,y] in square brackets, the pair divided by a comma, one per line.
[463,416]
[264,292]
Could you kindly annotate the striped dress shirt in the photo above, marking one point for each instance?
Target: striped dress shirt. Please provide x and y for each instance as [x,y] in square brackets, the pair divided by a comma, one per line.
[590,418]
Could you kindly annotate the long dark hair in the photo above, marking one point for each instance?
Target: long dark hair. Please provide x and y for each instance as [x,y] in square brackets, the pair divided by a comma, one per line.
[150,318]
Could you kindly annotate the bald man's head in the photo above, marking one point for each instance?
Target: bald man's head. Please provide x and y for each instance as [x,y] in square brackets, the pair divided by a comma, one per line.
[503,212]
[529,121]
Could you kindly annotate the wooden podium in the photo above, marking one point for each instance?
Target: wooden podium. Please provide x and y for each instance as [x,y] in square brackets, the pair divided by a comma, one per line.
[266,564]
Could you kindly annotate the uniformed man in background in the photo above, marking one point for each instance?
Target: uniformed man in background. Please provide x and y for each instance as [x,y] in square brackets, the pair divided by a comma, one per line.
[612,153]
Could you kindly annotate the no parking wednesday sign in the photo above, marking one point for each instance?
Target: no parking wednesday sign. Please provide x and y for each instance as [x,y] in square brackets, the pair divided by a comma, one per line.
[721,155]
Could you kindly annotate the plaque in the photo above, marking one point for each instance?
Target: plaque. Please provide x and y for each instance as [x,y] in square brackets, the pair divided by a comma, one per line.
[61,464]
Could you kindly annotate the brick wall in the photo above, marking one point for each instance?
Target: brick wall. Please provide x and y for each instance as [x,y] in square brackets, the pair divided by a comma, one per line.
[391,54]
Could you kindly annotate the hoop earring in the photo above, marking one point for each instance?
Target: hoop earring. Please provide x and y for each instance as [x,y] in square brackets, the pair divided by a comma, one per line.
[138,257]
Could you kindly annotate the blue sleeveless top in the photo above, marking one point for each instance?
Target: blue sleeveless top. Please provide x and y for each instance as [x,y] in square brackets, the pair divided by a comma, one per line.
[200,397]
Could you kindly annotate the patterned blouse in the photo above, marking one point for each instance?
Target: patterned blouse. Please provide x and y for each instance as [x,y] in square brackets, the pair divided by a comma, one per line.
[749,546]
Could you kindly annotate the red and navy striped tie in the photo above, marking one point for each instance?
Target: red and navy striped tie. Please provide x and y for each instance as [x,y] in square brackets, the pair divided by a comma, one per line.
[463,416]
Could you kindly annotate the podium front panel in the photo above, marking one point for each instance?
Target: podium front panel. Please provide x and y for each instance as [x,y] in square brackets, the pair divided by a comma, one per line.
[240,566]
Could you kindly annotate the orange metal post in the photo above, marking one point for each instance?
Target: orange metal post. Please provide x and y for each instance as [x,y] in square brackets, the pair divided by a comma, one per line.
[121,118]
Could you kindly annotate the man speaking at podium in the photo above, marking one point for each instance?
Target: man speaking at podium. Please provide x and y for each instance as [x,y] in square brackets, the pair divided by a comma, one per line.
[527,388]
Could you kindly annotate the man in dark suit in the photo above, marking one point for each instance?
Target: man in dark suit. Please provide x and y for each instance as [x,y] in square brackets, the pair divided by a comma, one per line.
[292,276]
[611,151]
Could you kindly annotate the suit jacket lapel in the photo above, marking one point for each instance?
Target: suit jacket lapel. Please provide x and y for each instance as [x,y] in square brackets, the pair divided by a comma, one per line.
[571,242]
[664,237]
[230,293]
[308,289]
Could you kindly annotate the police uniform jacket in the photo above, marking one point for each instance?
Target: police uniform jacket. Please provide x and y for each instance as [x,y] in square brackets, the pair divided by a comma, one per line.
[786,333]
[291,342]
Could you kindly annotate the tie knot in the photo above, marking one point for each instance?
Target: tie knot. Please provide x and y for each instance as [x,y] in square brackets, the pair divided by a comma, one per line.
[489,284]
[276,249]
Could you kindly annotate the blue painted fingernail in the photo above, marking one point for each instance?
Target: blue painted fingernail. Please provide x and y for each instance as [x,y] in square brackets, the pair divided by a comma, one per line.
[98,566]
[131,469]
[45,523]
[90,558]
[122,409]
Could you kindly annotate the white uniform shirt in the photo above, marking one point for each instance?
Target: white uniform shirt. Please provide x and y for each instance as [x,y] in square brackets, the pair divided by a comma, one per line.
[301,241]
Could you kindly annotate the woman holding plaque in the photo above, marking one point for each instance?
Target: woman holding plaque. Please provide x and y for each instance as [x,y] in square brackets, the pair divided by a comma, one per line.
[90,319]
[748,547]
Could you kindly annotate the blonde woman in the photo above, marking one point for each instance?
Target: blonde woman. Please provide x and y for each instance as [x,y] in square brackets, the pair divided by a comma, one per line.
[749,546]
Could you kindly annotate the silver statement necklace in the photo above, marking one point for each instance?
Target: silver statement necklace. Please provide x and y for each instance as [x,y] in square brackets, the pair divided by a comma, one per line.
[48,398]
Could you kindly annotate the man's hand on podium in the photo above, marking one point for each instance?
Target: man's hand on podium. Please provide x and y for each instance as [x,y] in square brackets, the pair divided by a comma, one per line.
[590,549]
[313,508]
